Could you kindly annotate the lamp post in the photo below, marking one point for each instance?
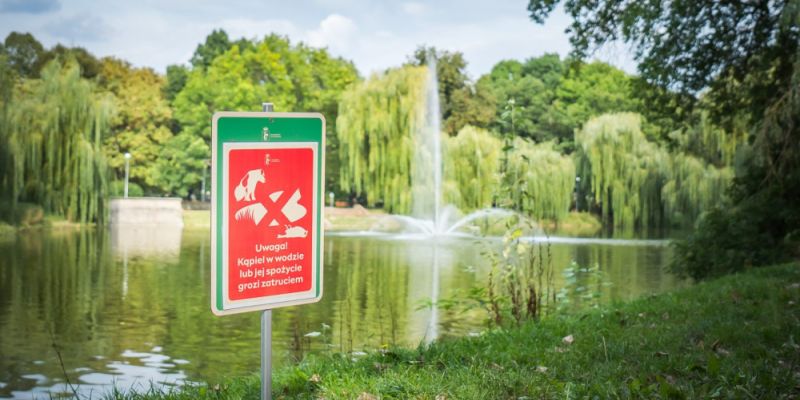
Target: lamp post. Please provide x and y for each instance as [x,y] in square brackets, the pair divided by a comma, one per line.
[206,164]
[577,192]
[127,170]
[330,196]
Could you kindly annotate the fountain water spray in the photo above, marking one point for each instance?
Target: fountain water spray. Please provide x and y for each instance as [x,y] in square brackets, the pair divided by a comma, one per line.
[426,178]
[429,214]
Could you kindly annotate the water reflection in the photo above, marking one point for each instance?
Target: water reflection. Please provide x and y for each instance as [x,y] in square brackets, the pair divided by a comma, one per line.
[141,319]
[146,240]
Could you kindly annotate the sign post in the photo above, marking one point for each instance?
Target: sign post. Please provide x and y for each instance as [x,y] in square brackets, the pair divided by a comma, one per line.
[267,199]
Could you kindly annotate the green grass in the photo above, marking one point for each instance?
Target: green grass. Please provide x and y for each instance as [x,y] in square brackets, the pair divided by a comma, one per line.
[575,224]
[736,337]
[196,219]
[6,230]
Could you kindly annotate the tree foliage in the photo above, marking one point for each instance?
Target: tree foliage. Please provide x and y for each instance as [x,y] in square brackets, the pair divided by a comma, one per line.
[216,44]
[377,119]
[540,180]
[141,125]
[745,59]
[545,98]
[178,168]
[461,102]
[472,162]
[292,77]
[24,53]
[53,134]
[636,183]
[176,80]
[688,46]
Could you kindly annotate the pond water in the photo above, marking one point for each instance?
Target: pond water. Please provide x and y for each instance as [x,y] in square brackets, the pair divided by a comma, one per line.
[131,309]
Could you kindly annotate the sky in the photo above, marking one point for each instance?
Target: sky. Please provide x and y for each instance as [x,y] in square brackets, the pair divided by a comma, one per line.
[375,35]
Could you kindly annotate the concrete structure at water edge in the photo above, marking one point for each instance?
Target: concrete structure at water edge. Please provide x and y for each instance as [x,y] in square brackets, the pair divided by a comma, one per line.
[162,211]
[146,226]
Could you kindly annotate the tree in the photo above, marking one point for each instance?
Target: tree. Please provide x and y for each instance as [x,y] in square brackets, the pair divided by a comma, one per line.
[745,58]
[176,80]
[24,53]
[636,183]
[178,169]
[142,122]
[589,90]
[687,46]
[216,44]
[89,64]
[53,135]
[375,127]
[293,77]
[472,185]
[522,101]
[461,103]
[545,98]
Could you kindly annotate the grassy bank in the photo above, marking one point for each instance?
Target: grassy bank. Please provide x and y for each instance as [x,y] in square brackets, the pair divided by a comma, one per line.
[735,337]
[575,224]
[360,219]
[336,219]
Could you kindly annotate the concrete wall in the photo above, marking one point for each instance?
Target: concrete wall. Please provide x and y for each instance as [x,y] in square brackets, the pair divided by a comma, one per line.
[163,211]
[146,226]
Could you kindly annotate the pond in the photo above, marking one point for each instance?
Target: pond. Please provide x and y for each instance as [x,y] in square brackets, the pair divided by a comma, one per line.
[131,308]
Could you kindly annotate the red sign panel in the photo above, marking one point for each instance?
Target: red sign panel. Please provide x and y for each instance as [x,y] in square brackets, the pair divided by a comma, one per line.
[270,214]
[269,249]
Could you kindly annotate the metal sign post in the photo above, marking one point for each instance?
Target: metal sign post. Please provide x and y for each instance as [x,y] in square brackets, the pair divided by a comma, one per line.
[266,331]
[267,198]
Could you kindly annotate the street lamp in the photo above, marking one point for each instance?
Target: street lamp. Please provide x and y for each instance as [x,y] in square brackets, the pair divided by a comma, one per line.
[577,192]
[206,164]
[127,170]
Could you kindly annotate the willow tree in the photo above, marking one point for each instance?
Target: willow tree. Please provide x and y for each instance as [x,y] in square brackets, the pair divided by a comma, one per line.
[376,120]
[53,132]
[693,188]
[541,180]
[472,162]
[637,183]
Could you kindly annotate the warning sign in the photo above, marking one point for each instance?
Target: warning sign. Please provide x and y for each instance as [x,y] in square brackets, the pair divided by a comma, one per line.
[268,214]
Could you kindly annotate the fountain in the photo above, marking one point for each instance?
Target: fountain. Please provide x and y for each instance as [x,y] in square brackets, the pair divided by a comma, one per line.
[430,216]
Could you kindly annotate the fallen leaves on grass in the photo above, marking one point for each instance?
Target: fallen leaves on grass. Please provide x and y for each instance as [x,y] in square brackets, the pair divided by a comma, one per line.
[568,340]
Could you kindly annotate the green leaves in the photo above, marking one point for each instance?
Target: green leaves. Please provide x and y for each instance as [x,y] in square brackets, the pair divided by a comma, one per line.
[637,183]
[375,127]
[52,136]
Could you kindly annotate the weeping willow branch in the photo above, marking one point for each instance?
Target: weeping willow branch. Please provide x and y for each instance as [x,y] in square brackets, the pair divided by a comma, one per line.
[375,125]
[540,180]
[53,134]
[636,183]
[472,161]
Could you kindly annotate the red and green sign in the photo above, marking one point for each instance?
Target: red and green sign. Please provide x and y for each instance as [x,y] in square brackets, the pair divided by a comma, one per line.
[266,217]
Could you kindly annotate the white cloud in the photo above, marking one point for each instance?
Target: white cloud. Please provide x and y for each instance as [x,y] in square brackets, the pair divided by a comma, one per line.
[414,8]
[374,35]
[78,28]
[257,29]
[335,32]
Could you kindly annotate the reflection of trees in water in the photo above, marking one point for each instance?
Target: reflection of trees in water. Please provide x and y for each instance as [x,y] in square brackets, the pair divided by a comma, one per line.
[370,289]
[72,284]
[49,283]
[618,272]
